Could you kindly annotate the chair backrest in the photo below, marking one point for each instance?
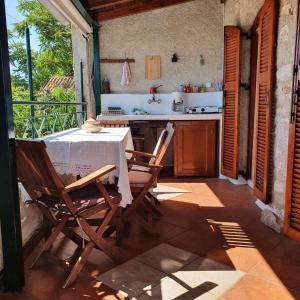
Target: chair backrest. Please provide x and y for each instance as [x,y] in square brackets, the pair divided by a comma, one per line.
[35,170]
[114,123]
[163,144]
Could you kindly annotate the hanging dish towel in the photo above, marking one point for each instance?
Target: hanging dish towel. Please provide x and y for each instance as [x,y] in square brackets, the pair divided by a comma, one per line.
[126,74]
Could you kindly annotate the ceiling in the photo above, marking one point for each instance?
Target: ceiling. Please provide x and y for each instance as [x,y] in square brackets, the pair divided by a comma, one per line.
[103,10]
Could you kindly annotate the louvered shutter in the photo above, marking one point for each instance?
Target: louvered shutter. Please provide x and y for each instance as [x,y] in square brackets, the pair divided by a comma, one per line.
[232,58]
[292,203]
[264,91]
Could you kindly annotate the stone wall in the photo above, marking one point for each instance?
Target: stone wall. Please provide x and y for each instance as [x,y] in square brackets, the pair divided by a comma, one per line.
[283,95]
[190,29]
[242,13]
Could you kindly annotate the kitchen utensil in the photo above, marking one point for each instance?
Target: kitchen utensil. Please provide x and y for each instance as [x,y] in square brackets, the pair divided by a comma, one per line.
[195,89]
[203,110]
[189,88]
[113,111]
[202,61]
[152,67]
[174,58]
[177,101]
[153,90]
[138,111]
[181,88]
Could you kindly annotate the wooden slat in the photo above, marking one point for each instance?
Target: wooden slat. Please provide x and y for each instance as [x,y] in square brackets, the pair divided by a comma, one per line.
[104,10]
[116,60]
[263,99]
[99,5]
[232,57]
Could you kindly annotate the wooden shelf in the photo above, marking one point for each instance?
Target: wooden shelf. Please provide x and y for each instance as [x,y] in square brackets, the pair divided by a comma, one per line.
[116,60]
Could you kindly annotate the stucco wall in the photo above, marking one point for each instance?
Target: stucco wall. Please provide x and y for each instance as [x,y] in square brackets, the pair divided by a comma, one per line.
[193,28]
[82,47]
[243,13]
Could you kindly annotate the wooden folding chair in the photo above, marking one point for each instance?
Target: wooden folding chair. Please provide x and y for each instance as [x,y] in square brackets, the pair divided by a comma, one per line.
[138,140]
[143,177]
[66,207]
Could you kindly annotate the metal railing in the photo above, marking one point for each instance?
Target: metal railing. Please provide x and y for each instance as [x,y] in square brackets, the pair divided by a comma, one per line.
[50,118]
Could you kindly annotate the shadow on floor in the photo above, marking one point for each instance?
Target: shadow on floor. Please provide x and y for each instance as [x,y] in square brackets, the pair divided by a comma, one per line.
[217,220]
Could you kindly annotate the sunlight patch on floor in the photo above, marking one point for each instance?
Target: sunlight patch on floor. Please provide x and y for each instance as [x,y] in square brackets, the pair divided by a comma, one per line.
[201,192]
[233,234]
[165,192]
[166,272]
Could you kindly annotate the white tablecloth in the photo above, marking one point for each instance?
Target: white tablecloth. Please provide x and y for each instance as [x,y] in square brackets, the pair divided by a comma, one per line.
[79,153]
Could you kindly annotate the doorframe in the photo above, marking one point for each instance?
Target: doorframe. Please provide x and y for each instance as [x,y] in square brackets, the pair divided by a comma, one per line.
[292,233]
[13,267]
[252,96]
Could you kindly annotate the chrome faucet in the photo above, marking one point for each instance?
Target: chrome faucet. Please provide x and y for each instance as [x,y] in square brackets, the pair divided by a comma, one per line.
[154,100]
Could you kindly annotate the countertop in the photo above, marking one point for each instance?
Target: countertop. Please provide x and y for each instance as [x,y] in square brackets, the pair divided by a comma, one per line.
[173,117]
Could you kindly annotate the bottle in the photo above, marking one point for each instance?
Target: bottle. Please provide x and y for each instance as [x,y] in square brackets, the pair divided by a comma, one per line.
[189,88]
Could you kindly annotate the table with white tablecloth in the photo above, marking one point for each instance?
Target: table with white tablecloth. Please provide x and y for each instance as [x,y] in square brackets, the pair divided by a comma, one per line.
[76,152]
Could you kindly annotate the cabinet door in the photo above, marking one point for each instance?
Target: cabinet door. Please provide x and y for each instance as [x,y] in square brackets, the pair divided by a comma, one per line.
[195,148]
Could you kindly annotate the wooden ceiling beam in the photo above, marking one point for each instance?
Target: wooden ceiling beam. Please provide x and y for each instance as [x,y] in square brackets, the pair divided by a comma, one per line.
[106,3]
[134,7]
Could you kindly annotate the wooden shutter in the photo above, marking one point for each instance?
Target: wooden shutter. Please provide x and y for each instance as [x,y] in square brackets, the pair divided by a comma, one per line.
[263,99]
[232,58]
[292,203]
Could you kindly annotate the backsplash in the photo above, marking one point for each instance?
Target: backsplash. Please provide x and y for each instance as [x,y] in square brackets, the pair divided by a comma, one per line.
[130,101]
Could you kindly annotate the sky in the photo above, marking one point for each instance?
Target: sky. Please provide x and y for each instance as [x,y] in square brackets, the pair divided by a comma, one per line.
[13,16]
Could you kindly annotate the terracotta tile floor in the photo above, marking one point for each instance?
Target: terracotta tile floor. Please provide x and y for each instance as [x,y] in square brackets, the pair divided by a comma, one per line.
[215,220]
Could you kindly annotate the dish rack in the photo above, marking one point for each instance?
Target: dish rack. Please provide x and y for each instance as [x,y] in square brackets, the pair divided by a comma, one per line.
[113,111]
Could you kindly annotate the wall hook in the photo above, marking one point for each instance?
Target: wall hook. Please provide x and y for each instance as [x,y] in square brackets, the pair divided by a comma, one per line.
[247,35]
[245,86]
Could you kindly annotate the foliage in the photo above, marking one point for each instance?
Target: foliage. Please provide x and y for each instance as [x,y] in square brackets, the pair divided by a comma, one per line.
[20,111]
[53,58]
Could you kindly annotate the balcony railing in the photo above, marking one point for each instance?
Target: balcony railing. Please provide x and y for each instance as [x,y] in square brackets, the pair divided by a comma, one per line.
[51,117]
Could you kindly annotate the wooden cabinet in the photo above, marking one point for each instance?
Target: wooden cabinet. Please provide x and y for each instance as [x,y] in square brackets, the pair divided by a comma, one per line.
[195,148]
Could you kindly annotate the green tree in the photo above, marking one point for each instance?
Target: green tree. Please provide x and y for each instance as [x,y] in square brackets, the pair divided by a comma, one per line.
[53,58]
[55,55]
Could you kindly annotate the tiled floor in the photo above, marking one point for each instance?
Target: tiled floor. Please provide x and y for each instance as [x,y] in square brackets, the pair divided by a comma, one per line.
[167,272]
[218,227]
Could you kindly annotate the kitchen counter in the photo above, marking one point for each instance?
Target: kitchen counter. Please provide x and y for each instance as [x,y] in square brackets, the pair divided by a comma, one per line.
[152,136]
[173,117]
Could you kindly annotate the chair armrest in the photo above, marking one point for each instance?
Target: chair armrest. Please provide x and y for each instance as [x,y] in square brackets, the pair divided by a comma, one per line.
[143,164]
[140,154]
[89,178]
